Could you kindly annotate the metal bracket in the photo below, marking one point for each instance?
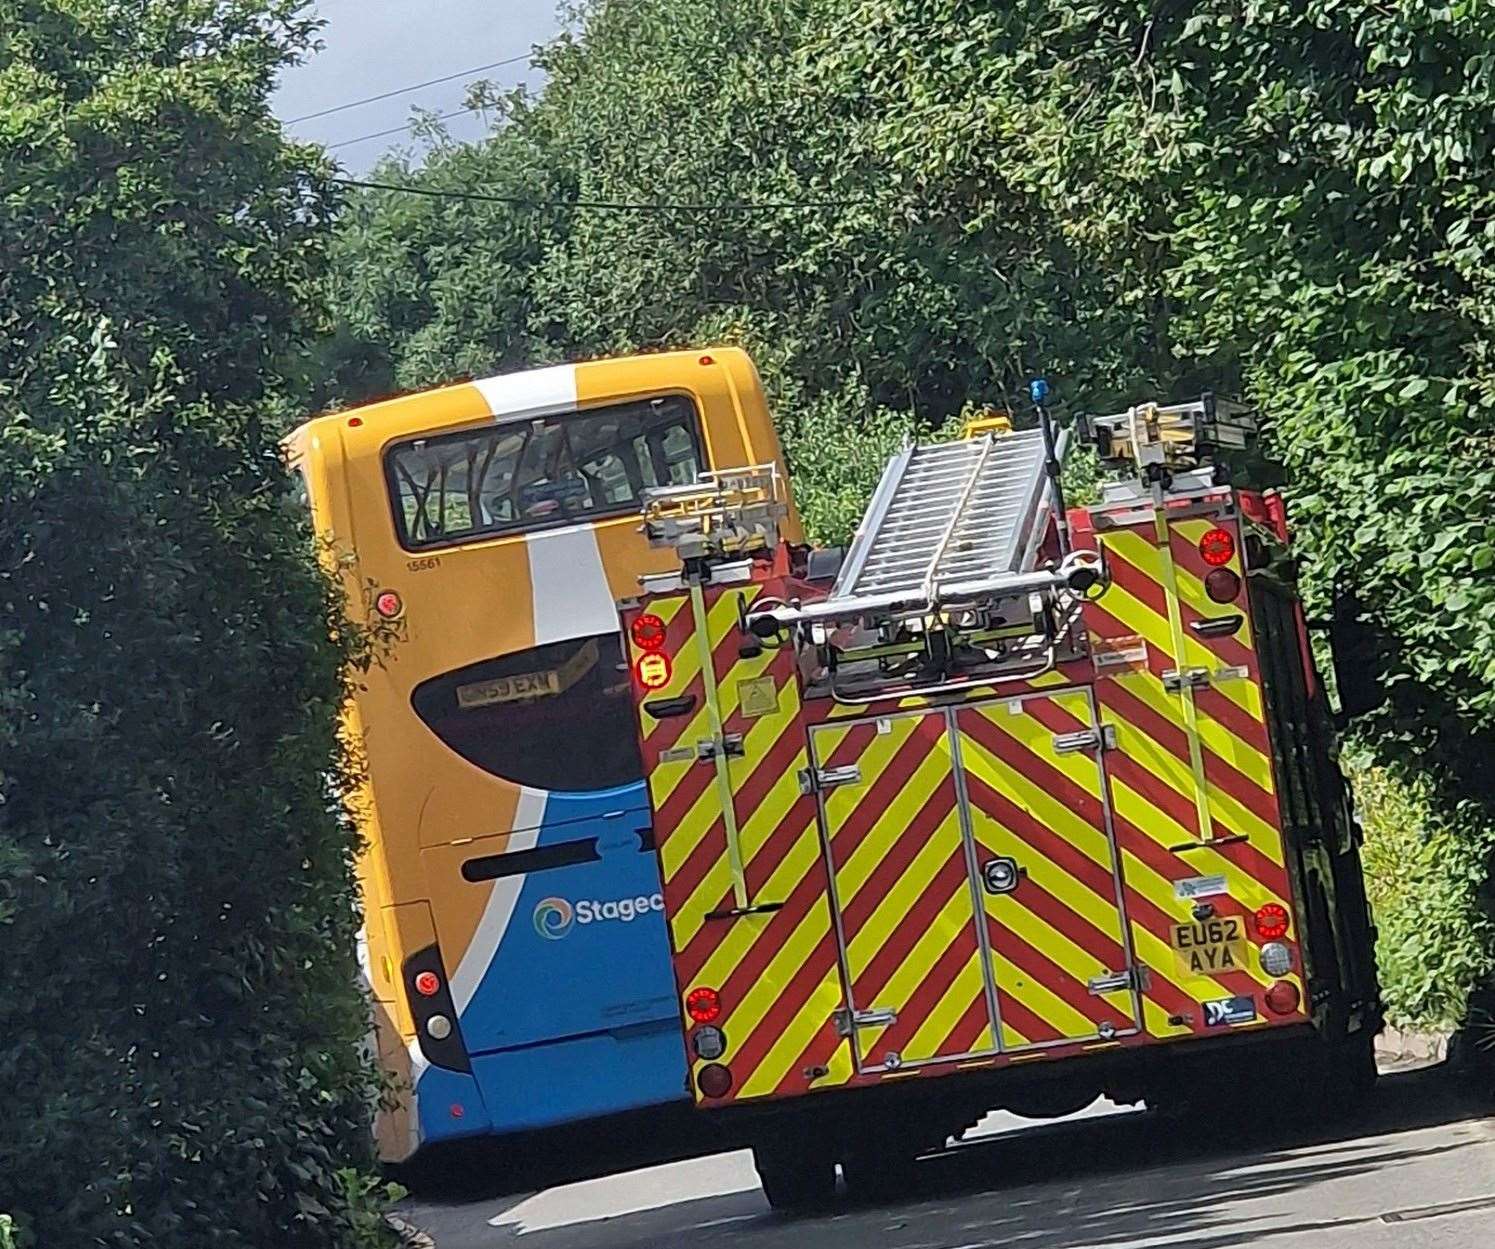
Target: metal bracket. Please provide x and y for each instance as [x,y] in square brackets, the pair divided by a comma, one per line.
[1085,739]
[1191,678]
[730,744]
[1138,978]
[878,1017]
[815,780]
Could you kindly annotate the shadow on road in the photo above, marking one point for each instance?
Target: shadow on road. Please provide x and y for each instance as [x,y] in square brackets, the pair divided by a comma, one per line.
[1094,1182]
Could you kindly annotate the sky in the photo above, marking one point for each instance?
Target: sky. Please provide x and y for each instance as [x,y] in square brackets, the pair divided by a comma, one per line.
[374,46]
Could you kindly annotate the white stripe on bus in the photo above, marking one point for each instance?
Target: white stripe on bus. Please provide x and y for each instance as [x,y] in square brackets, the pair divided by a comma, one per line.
[537,392]
[499,909]
[571,594]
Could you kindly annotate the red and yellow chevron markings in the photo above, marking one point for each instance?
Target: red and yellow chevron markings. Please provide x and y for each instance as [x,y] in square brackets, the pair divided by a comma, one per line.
[903,891]
[1152,784]
[863,898]
[777,969]
[1062,927]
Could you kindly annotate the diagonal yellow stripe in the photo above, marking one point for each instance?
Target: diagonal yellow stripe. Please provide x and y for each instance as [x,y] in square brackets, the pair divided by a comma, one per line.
[955,918]
[934,1035]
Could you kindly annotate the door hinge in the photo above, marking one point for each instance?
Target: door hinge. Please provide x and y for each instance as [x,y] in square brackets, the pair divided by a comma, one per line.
[1138,978]
[1190,678]
[814,780]
[1085,739]
[878,1017]
[705,750]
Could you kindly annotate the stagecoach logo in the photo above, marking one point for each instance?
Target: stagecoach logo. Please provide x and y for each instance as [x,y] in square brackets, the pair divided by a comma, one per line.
[555,916]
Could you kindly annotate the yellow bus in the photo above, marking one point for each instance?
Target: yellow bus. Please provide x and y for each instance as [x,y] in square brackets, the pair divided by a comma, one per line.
[515,941]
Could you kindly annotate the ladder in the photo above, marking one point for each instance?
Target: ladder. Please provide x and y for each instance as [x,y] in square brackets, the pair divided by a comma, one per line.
[945,515]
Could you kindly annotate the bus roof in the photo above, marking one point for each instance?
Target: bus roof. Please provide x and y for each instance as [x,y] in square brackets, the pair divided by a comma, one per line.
[530,393]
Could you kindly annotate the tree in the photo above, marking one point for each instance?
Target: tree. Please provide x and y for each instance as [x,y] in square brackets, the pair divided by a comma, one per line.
[178,992]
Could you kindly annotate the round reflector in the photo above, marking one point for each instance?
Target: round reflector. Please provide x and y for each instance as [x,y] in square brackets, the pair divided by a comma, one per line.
[427,983]
[387,603]
[1217,546]
[653,670]
[1271,921]
[439,1026]
[647,631]
[703,1004]
[708,1042]
[714,1080]
[1283,997]
[1276,959]
[1222,585]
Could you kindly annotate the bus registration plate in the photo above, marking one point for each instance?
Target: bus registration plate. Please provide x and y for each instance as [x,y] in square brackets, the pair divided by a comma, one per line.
[519,685]
[508,689]
[1207,947]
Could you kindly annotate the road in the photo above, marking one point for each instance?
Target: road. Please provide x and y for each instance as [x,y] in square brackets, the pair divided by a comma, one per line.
[1415,1171]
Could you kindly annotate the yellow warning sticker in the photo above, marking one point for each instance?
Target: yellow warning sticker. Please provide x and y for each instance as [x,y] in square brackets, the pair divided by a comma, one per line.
[757,696]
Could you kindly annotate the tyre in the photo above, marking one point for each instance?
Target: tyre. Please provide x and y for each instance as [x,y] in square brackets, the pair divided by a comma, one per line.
[795,1180]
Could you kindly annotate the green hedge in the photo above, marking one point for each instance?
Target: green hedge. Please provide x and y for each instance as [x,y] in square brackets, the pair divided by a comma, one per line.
[179,1017]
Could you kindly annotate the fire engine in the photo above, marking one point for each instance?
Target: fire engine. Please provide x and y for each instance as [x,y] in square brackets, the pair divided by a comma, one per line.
[1007,805]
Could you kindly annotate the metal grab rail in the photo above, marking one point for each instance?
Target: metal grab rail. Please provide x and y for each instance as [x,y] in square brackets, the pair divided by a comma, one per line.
[1075,574]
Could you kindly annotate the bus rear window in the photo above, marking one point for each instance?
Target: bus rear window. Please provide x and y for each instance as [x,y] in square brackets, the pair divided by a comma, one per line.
[553,717]
[550,470]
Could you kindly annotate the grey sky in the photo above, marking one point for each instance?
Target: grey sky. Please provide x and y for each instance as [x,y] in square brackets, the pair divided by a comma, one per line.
[373,46]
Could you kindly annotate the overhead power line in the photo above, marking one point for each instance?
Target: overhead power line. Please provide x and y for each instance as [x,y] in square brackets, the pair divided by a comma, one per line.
[523,201]
[389,95]
[382,134]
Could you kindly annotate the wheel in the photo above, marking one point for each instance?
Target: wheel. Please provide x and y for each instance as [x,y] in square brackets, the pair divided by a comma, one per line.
[794,1179]
[878,1169]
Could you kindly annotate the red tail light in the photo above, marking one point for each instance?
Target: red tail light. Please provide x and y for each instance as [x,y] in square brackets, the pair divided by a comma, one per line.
[1283,998]
[1271,921]
[653,670]
[387,603]
[1217,547]
[427,983]
[703,1004]
[1222,585]
[647,631]
[714,1080]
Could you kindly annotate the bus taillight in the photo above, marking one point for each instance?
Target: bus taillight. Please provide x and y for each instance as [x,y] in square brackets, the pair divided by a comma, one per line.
[427,983]
[387,603]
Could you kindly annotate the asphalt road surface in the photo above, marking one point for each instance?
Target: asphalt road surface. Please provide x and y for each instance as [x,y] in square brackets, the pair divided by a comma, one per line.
[1416,1170]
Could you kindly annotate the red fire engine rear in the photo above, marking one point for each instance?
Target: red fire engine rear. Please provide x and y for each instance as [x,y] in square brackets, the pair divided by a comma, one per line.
[999,811]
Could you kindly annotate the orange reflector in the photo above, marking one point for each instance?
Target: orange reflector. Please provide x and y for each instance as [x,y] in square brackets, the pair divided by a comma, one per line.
[1271,921]
[653,670]
[703,1004]
[1217,546]
[647,631]
[1283,998]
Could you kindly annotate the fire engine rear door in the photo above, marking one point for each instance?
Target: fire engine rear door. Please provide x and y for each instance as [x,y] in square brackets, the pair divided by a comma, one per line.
[906,910]
[1047,866]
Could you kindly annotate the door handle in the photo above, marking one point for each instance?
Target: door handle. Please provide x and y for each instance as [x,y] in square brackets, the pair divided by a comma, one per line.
[1001,875]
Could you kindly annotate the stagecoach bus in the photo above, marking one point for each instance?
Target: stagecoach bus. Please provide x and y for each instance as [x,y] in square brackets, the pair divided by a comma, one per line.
[484,531]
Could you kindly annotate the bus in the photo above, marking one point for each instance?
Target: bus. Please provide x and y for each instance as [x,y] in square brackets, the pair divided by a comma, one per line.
[484,533]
